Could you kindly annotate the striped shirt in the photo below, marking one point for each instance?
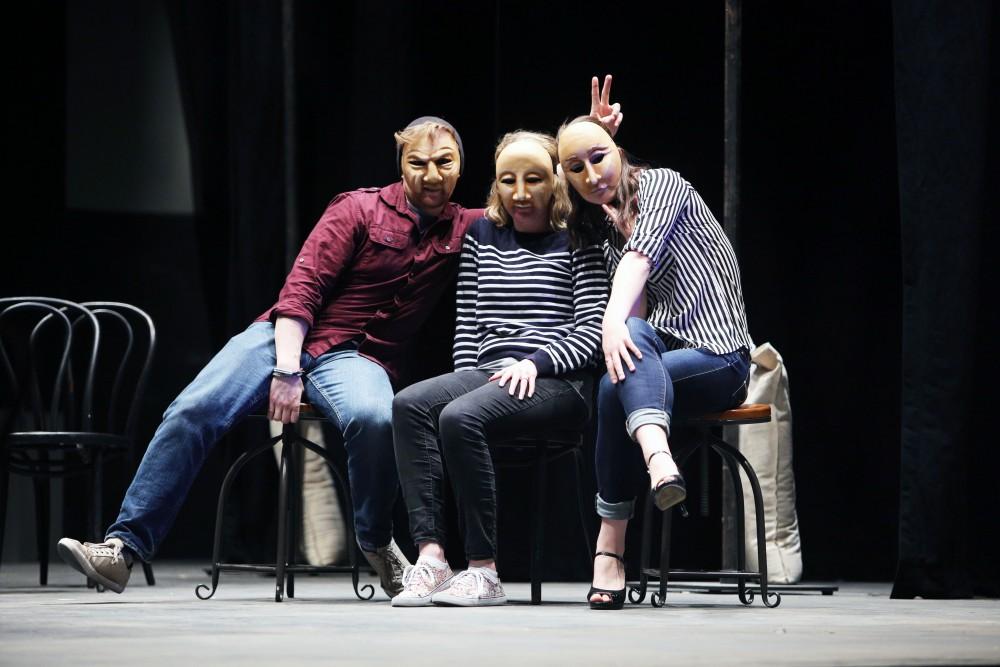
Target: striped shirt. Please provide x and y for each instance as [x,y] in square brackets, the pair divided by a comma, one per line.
[693,293]
[527,296]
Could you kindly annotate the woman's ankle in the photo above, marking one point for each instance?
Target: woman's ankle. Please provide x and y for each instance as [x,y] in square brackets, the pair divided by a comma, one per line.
[661,465]
[489,564]
[432,550]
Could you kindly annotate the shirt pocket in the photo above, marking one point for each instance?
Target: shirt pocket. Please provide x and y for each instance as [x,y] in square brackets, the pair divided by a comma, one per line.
[448,246]
[385,235]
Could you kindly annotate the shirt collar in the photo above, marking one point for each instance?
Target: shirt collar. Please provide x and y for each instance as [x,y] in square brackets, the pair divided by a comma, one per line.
[394,196]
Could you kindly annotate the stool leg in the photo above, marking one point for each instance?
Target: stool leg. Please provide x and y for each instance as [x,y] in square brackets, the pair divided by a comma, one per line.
[734,473]
[638,593]
[758,502]
[577,470]
[703,498]
[366,592]
[283,499]
[538,532]
[295,460]
[227,482]
[660,597]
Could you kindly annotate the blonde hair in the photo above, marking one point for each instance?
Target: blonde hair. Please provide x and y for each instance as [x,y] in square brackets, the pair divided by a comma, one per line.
[586,220]
[559,207]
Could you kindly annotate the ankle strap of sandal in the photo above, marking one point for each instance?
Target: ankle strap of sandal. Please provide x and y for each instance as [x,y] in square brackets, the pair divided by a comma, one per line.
[659,451]
[610,554]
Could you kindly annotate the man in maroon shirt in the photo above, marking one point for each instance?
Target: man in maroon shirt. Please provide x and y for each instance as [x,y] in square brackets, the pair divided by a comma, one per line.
[361,287]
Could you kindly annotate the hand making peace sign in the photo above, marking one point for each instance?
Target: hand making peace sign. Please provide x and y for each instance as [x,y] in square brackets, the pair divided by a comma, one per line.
[610,115]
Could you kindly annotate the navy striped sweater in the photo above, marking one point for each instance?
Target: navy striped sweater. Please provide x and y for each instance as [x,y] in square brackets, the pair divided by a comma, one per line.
[528,296]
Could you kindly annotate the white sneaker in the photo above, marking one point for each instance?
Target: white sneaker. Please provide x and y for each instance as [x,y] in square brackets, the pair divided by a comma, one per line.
[475,587]
[421,581]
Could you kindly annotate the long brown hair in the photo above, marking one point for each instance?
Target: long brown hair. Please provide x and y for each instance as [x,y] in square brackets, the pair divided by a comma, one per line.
[559,206]
[586,221]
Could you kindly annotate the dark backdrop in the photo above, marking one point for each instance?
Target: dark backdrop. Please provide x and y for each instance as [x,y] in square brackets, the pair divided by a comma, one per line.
[820,237]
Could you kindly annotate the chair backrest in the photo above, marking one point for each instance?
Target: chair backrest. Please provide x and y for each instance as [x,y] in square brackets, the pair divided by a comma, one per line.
[128,341]
[41,340]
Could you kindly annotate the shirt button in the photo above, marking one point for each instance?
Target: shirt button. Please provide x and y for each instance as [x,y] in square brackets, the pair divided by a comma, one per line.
[388,237]
[447,247]
[301,259]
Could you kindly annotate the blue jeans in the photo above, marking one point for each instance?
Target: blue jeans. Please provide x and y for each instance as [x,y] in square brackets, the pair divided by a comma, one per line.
[354,393]
[665,383]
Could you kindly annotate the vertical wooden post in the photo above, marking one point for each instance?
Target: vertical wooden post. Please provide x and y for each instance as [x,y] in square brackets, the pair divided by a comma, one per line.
[288,132]
[731,225]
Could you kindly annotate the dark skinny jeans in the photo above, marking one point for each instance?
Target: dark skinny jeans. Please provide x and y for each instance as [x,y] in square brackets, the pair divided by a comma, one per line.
[452,417]
[665,384]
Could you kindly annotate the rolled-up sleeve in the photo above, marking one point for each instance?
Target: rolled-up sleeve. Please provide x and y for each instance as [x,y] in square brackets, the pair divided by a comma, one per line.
[330,248]
[663,194]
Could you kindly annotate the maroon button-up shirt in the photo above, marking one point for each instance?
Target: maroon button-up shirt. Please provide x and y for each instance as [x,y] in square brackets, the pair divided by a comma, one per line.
[366,271]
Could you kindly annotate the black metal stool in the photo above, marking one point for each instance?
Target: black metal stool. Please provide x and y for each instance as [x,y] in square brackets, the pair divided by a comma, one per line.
[289,501]
[538,451]
[705,425]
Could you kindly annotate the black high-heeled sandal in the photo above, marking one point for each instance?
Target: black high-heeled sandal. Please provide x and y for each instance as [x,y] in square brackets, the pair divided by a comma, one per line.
[669,491]
[617,600]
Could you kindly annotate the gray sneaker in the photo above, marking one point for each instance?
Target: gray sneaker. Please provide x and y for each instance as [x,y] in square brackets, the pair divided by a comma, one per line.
[389,564]
[104,562]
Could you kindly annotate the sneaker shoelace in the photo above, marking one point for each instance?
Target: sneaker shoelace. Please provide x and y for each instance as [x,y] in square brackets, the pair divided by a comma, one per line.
[423,571]
[477,577]
[113,551]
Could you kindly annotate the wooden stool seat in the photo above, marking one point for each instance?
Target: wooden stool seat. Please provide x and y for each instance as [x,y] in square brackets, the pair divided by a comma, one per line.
[748,413]
[308,411]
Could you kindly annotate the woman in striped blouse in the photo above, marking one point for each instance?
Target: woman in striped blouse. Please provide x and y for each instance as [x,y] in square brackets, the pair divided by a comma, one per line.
[528,327]
[674,335]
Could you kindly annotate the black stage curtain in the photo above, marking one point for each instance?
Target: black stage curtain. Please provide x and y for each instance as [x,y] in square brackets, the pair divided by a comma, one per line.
[946,118]
[230,70]
[229,63]
[820,242]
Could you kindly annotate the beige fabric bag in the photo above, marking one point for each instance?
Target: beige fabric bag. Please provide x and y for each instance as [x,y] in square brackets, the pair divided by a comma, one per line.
[768,448]
[324,536]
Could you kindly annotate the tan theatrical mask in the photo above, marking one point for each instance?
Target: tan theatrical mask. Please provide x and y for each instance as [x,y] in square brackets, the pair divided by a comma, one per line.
[591,162]
[430,168]
[525,182]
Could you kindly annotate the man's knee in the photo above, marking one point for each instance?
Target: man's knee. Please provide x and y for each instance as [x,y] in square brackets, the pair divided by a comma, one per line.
[368,416]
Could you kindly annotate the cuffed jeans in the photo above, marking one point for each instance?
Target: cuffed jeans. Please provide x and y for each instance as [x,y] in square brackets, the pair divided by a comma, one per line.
[452,416]
[353,392]
[665,383]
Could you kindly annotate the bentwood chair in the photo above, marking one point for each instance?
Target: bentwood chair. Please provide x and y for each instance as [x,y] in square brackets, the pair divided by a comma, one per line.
[707,428]
[70,389]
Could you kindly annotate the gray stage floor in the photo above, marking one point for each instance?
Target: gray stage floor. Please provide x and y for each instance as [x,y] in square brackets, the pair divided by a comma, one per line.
[66,623]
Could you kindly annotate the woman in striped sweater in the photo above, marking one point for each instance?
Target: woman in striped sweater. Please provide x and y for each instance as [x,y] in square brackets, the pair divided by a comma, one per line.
[528,327]
[674,335]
